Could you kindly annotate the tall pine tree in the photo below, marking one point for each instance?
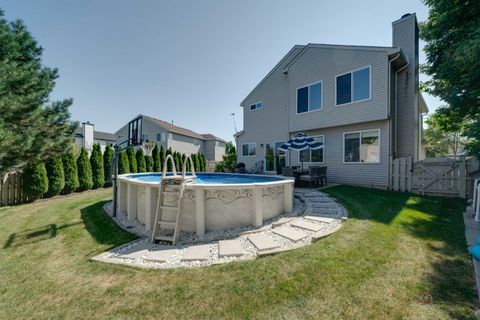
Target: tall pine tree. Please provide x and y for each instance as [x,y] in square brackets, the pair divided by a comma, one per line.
[31,128]
[107,166]
[123,165]
[96,162]
[84,171]
[156,167]
[140,157]
[56,176]
[132,161]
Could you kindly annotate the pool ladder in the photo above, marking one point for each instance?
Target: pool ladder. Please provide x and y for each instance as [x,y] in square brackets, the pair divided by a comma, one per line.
[173,187]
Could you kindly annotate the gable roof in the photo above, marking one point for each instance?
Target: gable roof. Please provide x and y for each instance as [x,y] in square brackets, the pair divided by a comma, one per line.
[287,56]
[211,137]
[99,135]
[389,50]
[180,130]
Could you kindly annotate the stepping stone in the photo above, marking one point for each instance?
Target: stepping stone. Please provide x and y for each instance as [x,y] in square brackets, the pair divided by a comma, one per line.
[290,233]
[262,241]
[160,255]
[230,248]
[321,219]
[136,251]
[199,252]
[307,225]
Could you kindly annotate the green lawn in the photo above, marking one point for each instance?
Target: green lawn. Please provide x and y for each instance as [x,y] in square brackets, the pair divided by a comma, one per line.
[398,256]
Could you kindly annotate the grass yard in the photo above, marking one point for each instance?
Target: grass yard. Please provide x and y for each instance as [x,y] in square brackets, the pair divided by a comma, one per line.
[398,256]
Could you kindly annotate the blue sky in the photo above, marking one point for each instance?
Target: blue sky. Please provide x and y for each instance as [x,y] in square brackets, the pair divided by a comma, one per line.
[192,62]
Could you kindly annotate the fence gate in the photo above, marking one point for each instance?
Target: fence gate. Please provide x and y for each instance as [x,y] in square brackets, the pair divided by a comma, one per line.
[434,176]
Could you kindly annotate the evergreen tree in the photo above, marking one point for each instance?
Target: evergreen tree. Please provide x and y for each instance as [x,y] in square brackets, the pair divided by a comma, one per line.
[70,171]
[204,163]
[35,181]
[31,131]
[56,176]
[163,155]
[177,157]
[149,163]
[197,163]
[140,157]
[132,161]
[169,164]
[107,165]
[183,159]
[85,181]
[96,162]
[123,165]
[157,165]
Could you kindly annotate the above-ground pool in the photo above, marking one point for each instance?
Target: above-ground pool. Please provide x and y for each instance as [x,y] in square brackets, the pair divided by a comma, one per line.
[214,201]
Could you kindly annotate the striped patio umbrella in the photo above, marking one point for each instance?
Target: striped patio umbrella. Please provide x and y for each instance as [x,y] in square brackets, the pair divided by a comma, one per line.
[299,143]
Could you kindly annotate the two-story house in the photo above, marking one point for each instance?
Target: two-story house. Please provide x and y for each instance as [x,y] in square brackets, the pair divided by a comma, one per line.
[179,139]
[86,136]
[361,102]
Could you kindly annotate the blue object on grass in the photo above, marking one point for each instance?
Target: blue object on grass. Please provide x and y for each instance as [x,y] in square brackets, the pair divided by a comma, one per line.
[475,251]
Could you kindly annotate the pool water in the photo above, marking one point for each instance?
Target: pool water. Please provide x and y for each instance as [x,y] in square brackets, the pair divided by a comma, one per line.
[210,178]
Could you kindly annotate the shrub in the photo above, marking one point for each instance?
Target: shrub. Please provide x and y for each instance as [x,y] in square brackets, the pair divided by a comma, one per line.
[149,163]
[123,165]
[35,181]
[140,157]
[163,155]
[107,166]
[169,165]
[196,162]
[204,163]
[178,159]
[70,172]
[96,162]
[85,181]
[132,161]
[56,176]
[229,161]
[156,165]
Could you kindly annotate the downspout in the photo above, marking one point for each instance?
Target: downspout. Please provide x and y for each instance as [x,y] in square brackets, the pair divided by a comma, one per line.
[396,104]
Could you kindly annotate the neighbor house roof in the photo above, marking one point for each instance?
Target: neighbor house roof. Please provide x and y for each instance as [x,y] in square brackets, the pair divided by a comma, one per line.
[179,130]
[209,136]
[98,135]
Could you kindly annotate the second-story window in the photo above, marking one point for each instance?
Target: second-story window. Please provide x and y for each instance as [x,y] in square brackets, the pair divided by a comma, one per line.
[309,98]
[256,106]
[353,86]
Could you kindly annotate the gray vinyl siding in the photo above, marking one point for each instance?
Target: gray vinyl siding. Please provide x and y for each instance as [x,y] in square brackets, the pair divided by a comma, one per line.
[364,174]
[151,129]
[214,150]
[184,144]
[405,35]
[324,64]
[269,123]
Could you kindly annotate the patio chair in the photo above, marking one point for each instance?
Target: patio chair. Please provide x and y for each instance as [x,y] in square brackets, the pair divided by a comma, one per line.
[310,177]
[287,172]
[321,175]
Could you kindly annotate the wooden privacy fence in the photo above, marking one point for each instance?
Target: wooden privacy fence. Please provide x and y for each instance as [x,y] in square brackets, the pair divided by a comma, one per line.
[11,189]
[435,176]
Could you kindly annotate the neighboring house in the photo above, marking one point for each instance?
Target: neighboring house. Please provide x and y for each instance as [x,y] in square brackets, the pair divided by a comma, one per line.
[86,136]
[362,102]
[178,138]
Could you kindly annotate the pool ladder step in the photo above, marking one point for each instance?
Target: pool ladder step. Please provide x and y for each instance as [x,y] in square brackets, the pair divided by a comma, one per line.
[171,185]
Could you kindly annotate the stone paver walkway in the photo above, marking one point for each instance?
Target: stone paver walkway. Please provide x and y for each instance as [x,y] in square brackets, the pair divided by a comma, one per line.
[316,215]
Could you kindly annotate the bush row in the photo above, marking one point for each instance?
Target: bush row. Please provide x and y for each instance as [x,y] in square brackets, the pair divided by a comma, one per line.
[68,173]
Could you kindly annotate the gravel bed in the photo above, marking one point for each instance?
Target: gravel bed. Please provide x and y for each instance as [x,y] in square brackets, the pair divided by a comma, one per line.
[302,206]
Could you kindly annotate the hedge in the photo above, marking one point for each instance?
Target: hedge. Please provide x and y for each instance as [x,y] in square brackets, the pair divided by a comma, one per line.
[107,166]
[132,161]
[96,163]
[55,175]
[70,172]
[35,181]
[123,164]
[140,157]
[84,171]
[156,165]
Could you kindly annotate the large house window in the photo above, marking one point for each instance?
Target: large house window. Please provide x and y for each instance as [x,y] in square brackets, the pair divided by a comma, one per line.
[249,149]
[309,98]
[256,106]
[309,155]
[362,146]
[353,86]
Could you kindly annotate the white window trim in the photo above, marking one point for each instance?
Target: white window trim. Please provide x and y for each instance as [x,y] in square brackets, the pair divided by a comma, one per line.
[308,102]
[351,87]
[323,162]
[249,156]
[255,103]
[379,146]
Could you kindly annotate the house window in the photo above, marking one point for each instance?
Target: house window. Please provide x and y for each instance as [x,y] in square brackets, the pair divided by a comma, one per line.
[362,146]
[353,86]
[160,137]
[256,106]
[249,149]
[309,98]
[309,155]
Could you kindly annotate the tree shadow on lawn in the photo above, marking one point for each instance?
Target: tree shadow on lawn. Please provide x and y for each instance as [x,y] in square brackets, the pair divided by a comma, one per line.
[102,228]
[438,222]
[35,235]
